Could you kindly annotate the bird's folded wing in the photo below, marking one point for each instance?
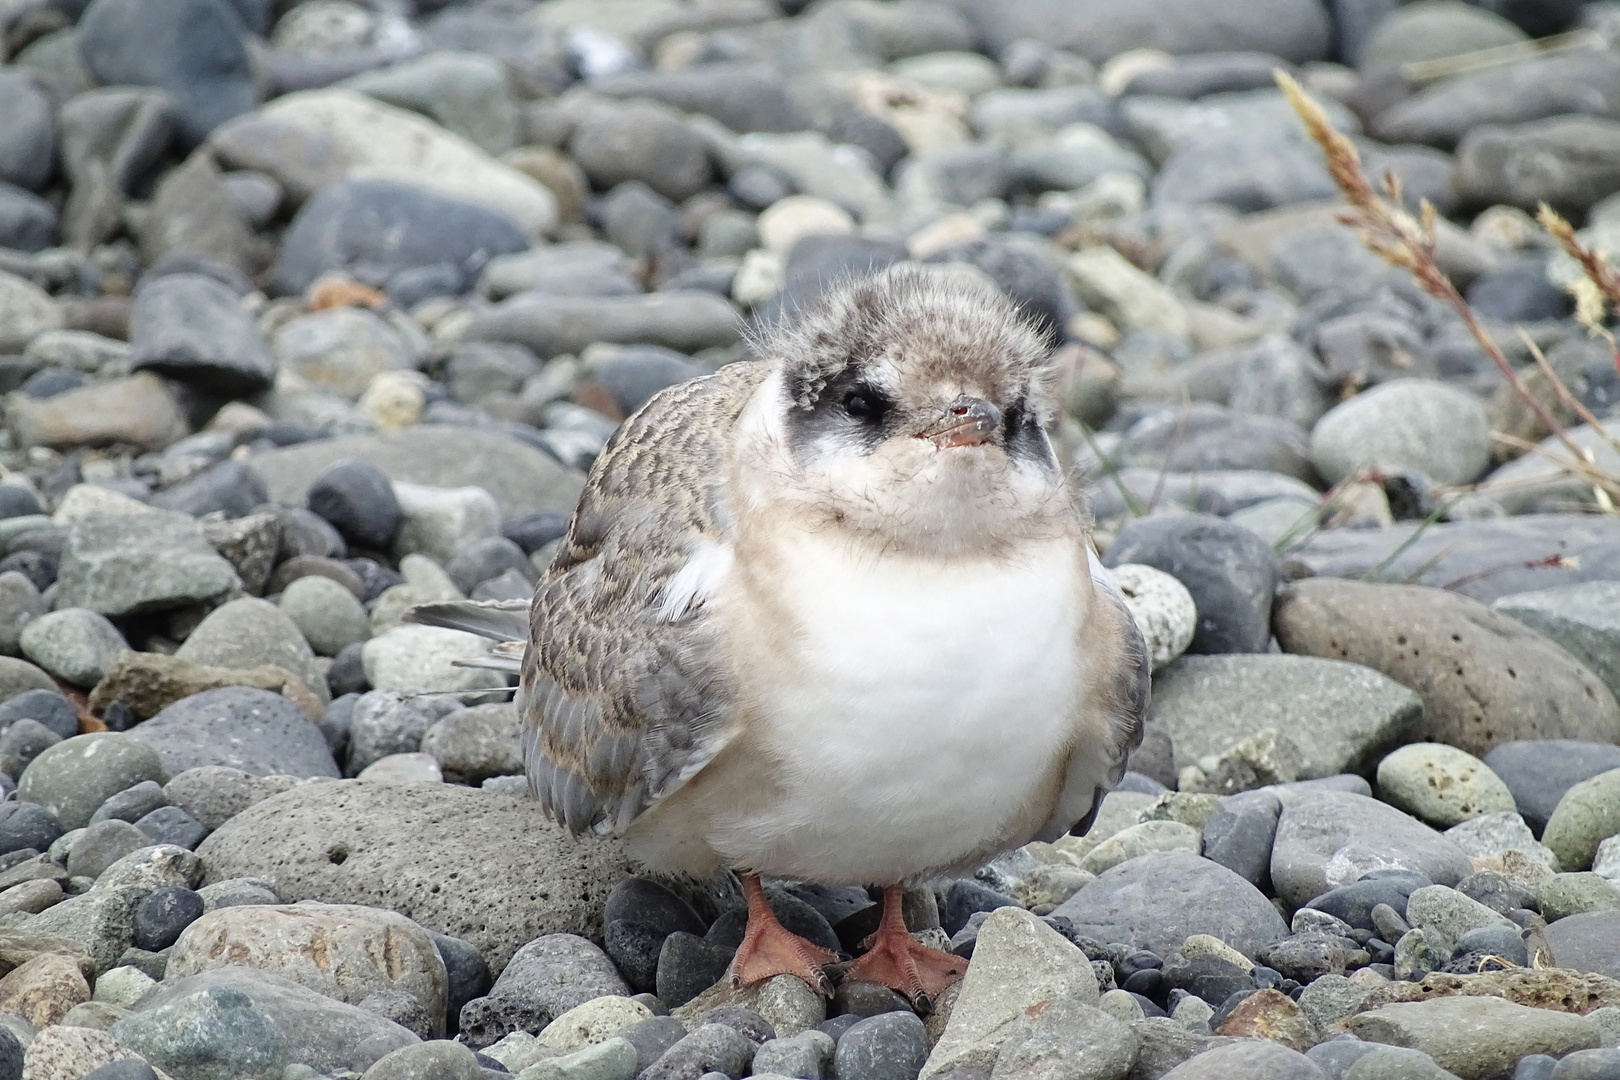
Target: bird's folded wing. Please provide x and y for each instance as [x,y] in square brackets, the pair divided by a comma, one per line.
[624,695]
[1122,698]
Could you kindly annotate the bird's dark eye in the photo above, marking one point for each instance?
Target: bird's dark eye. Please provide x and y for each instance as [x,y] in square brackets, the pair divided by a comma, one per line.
[865,404]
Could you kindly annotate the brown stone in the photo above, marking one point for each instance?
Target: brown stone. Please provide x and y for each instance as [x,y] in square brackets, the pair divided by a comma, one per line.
[559,173]
[1484,678]
[338,290]
[150,682]
[140,411]
[1271,1014]
[1559,989]
[44,989]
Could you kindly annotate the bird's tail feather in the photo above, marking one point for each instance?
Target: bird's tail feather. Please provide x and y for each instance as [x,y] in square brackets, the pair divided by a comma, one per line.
[504,621]
[499,620]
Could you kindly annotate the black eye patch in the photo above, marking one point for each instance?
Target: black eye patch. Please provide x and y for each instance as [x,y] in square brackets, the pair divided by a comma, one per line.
[846,409]
[1022,436]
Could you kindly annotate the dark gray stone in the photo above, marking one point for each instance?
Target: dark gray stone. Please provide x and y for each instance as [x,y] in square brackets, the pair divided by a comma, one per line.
[27,825]
[358,499]
[553,325]
[652,1038]
[172,825]
[1588,941]
[376,229]
[22,742]
[642,142]
[1582,81]
[1099,29]
[133,803]
[1249,174]
[1487,559]
[1203,437]
[522,479]
[713,1048]
[27,132]
[1601,1064]
[73,778]
[543,980]
[466,976]
[477,561]
[1230,572]
[46,707]
[633,374]
[1239,835]
[27,222]
[689,965]
[253,730]
[1539,771]
[102,844]
[1569,162]
[230,487]
[743,97]
[1257,1059]
[1354,903]
[163,915]
[193,49]
[892,1046]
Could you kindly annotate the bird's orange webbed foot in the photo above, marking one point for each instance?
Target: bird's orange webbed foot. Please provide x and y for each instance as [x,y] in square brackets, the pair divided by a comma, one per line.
[769,949]
[895,959]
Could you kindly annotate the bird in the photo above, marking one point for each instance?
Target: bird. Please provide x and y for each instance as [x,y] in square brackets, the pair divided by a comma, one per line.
[831,614]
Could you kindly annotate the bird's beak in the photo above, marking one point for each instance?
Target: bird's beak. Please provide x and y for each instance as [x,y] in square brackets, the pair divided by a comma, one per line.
[967,421]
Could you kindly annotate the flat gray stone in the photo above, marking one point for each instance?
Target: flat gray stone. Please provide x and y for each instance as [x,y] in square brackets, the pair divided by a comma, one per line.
[1589,941]
[1482,557]
[433,852]
[252,730]
[1156,901]
[1475,1037]
[553,325]
[1342,717]
[117,566]
[521,478]
[1250,1059]
[1332,838]
[1584,618]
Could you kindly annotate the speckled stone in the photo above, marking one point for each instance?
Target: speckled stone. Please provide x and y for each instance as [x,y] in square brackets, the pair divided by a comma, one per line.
[1441,784]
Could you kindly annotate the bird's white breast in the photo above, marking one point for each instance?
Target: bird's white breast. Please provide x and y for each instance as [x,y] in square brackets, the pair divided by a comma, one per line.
[921,707]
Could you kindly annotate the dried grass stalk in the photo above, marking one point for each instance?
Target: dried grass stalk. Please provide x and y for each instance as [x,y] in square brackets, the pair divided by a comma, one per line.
[1408,242]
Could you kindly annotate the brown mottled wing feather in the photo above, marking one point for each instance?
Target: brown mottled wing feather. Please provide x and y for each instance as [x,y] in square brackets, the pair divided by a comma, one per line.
[621,705]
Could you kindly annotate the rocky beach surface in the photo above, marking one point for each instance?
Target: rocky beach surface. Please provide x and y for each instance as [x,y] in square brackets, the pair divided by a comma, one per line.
[314,311]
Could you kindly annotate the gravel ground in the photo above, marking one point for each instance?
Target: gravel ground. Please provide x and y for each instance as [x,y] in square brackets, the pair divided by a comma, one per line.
[313,311]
